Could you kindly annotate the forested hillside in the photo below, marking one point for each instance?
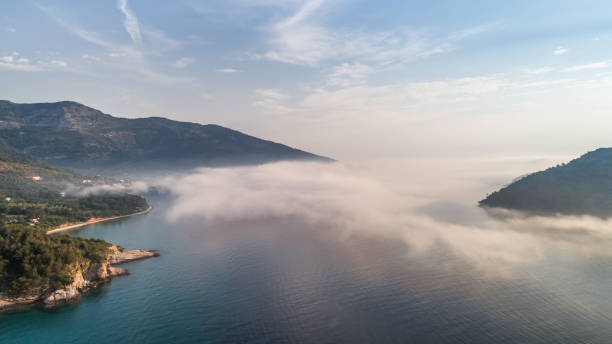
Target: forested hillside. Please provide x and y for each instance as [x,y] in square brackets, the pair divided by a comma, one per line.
[32,262]
[582,186]
[32,201]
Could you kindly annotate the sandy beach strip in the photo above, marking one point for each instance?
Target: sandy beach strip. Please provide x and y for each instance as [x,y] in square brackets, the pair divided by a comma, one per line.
[82,224]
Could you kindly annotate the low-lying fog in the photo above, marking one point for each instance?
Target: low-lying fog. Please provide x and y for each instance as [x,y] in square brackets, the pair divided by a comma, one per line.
[421,203]
[386,250]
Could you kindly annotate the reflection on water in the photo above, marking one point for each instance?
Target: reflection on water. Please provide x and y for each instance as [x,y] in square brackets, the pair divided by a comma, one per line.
[287,280]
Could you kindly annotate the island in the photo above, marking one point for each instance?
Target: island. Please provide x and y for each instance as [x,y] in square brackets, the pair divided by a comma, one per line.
[582,186]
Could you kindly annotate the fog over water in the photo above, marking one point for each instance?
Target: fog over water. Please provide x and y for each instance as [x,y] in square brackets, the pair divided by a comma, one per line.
[421,203]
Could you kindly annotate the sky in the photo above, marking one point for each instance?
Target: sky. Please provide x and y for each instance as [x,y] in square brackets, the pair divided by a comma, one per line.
[352,80]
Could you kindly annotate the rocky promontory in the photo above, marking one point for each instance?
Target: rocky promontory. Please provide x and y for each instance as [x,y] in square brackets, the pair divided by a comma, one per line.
[121,256]
[86,277]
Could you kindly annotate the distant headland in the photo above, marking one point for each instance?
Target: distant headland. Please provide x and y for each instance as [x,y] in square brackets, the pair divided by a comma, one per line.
[582,186]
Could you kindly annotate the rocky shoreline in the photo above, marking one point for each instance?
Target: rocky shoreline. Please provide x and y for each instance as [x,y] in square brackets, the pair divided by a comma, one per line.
[86,278]
[121,256]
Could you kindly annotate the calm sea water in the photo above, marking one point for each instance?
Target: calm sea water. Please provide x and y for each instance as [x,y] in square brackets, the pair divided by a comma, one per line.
[282,280]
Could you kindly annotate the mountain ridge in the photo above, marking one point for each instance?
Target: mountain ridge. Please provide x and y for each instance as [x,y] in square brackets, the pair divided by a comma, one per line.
[72,135]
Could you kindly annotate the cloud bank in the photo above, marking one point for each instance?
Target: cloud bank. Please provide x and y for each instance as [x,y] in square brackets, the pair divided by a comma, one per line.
[350,201]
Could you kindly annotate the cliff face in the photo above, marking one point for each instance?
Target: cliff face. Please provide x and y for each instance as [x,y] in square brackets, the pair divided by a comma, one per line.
[85,279]
[87,276]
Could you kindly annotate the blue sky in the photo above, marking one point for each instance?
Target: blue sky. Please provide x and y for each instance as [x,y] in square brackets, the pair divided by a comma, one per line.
[349,79]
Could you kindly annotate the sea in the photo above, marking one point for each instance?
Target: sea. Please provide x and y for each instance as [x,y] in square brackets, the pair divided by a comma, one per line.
[281,279]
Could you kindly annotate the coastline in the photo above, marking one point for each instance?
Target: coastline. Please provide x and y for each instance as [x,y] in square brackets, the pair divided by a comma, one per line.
[104,219]
[85,279]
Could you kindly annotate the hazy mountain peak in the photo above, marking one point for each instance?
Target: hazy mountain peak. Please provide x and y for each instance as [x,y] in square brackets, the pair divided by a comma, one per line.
[69,134]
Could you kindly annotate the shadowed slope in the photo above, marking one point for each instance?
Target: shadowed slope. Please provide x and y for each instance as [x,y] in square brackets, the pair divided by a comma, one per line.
[72,135]
[582,186]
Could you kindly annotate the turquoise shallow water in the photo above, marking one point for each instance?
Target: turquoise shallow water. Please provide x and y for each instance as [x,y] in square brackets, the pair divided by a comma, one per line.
[282,280]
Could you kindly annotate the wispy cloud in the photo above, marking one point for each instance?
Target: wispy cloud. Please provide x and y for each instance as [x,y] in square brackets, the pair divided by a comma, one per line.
[271,93]
[89,57]
[359,100]
[353,99]
[184,62]
[11,29]
[541,84]
[227,70]
[158,40]
[303,13]
[16,62]
[472,31]
[271,101]
[595,65]
[128,57]
[398,98]
[59,63]
[300,39]
[313,46]
[131,22]
[540,70]
[88,36]
[5,64]
[560,51]
[349,74]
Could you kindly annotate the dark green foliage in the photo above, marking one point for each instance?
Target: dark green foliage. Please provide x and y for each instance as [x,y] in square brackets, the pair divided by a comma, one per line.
[32,262]
[42,200]
[50,213]
[110,205]
[72,135]
[18,172]
[11,155]
[583,186]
